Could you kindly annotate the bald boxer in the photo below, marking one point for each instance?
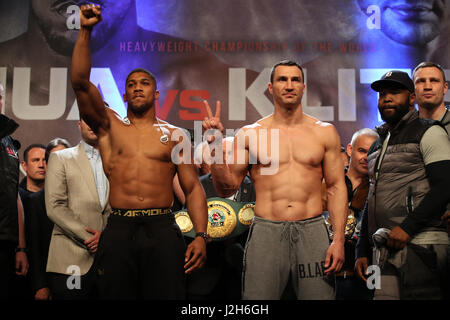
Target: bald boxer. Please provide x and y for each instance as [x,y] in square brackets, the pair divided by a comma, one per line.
[141,245]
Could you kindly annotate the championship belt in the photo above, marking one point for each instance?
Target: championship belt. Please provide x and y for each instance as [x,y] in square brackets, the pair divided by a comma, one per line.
[226,219]
[355,206]
[350,225]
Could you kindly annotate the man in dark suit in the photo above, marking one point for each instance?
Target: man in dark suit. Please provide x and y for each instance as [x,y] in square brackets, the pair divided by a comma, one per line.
[39,233]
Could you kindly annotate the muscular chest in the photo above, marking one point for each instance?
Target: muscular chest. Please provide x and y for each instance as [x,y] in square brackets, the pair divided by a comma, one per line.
[130,143]
[286,147]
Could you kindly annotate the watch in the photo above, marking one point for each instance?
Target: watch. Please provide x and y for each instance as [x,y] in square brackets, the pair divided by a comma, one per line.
[204,235]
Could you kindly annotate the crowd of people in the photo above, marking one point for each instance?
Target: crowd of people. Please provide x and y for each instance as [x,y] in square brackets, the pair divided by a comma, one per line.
[96,221]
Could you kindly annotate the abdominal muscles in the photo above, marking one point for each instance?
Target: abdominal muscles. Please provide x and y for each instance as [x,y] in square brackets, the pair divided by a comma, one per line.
[294,193]
[139,182]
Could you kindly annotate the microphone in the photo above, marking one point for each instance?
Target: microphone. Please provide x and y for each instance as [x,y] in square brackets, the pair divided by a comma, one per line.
[164,138]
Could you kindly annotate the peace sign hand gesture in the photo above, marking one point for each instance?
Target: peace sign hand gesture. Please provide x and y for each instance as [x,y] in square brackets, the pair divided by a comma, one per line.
[212,122]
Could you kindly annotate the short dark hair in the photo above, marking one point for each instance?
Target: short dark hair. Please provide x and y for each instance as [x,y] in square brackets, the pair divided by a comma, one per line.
[429,64]
[31,146]
[288,63]
[54,143]
[144,71]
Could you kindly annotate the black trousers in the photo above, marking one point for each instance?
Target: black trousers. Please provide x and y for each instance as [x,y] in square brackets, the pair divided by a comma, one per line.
[60,290]
[141,258]
[352,288]
[7,265]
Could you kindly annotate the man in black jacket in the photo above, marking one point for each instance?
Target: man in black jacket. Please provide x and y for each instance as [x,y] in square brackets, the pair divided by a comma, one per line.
[409,170]
[12,235]
[34,165]
[39,232]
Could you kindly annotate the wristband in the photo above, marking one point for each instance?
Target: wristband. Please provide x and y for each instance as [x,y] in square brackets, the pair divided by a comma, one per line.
[204,235]
[21,250]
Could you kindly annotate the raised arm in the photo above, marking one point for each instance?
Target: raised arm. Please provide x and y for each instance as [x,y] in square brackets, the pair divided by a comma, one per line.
[89,99]
[228,175]
[337,198]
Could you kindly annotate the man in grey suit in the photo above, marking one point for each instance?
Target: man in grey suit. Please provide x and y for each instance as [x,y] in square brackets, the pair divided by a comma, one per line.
[76,197]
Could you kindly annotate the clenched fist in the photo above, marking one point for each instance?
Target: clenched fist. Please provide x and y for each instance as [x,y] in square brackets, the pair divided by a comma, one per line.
[90,15]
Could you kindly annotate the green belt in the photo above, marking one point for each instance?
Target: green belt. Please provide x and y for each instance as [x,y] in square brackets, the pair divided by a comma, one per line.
[226,219]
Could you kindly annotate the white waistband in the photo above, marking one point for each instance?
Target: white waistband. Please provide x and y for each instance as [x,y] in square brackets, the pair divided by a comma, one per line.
[431,237]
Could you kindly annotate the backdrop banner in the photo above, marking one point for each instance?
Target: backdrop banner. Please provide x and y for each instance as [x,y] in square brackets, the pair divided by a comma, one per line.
[214,50]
